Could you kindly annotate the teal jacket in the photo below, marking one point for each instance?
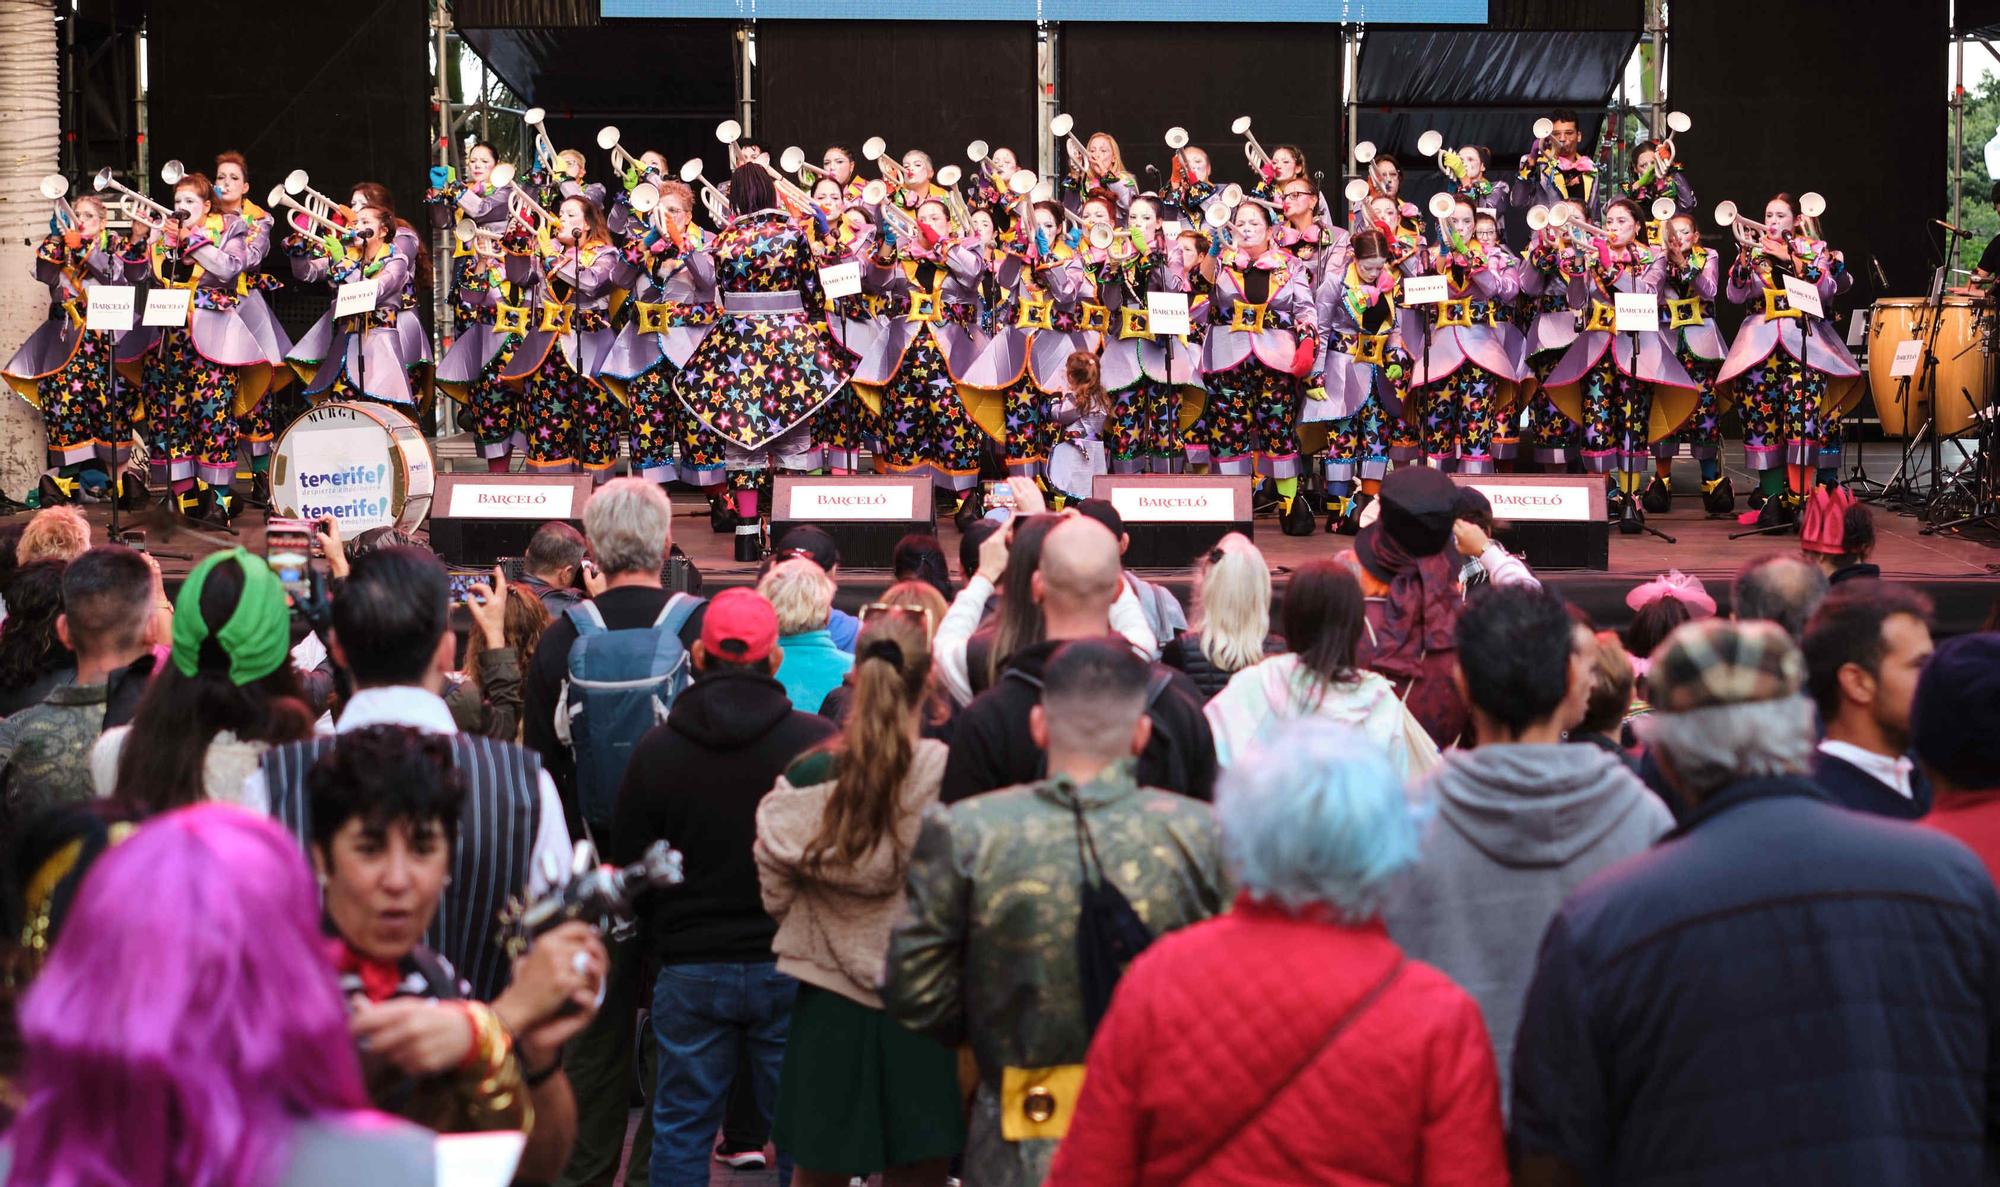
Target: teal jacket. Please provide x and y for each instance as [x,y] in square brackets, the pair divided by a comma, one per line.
[813,666]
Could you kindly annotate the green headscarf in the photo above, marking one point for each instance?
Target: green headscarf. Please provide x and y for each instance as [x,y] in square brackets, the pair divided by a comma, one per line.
[258,636]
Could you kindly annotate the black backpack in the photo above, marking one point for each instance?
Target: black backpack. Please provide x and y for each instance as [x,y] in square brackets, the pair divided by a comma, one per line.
[1109,933]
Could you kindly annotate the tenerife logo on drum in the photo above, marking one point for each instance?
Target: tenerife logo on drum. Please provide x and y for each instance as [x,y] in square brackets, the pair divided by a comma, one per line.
[348,493]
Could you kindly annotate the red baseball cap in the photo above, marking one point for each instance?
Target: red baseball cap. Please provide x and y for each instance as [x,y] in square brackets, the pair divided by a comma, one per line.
[739,626]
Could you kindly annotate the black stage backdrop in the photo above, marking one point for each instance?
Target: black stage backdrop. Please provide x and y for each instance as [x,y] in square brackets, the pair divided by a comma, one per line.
[1849,103]
[1135,81]
[935,87]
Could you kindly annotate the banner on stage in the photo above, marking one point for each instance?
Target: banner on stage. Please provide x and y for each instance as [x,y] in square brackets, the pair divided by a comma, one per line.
[1803,297]
[490,500]
[1534,503]
[356,297]
[841,280]
[1424,290]
[1175,504]
[1637,312]
[110,307]
[852,501]
[1167,313]
[167,307]
[1907,356]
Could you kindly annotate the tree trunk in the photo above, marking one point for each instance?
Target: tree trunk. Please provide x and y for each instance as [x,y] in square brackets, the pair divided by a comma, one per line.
[30,133]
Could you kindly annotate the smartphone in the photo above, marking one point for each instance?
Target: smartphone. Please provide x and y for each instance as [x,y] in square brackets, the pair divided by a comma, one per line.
[999,494]
[288,545]
[462,583]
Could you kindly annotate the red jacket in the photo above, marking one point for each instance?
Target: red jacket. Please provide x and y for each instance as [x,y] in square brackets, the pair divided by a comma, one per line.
[1214,1066]
[1974,818]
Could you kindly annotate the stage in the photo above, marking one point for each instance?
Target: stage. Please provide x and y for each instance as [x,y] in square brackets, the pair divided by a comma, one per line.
[1956,569]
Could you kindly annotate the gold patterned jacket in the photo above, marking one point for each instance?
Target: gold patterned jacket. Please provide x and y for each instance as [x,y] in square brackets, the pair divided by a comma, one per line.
[986,952]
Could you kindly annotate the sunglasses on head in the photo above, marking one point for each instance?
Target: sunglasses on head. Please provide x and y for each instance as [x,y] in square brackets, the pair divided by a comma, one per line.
[875,610]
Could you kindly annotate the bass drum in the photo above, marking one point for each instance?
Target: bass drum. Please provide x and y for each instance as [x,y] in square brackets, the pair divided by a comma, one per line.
[1964,369]
[367,465]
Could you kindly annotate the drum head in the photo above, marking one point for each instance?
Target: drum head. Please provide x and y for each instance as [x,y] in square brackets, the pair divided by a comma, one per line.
[366,465]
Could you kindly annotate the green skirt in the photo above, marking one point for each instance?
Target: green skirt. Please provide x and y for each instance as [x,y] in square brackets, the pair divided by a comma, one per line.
[859,1093]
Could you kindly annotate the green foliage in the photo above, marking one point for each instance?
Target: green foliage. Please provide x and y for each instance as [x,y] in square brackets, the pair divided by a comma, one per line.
[1982,119]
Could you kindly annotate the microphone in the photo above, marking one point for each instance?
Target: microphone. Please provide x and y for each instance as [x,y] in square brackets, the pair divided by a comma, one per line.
[179,216]
[1953,228]
[1151,171]
[362,234]
[1319,177]
[1881,277]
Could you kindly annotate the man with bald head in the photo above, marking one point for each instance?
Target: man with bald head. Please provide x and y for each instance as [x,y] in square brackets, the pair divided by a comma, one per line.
[992,746]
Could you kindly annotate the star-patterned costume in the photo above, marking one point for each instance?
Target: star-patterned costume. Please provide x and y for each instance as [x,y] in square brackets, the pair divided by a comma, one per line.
[1791,374]
[1687,314]
[1262,336]
[572,419]
[66,372]
[1466,379]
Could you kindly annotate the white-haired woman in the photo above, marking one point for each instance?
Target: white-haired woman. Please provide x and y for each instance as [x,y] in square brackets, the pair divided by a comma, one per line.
[813,664]
[1232,617]
[1313,1051]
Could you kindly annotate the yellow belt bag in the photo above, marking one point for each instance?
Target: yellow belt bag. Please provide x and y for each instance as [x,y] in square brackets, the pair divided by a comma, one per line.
[1036,1103]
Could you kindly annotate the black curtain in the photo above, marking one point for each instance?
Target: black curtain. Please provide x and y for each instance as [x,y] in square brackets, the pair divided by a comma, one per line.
[1137,80]
[930,86]
[1866,129]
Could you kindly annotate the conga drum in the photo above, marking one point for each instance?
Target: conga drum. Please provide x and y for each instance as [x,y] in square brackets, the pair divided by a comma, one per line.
[1964,368]
[1895,320]
[367,465]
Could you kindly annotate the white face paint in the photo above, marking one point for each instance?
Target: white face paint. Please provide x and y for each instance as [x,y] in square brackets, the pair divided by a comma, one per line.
[1252,232]
[1779,217]
[1369,268]
[478,165]
[1620,223]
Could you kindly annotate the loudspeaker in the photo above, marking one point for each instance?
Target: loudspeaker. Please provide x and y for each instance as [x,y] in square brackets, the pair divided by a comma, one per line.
[478,518]
[864,513]
[1174,518]
[1552,521]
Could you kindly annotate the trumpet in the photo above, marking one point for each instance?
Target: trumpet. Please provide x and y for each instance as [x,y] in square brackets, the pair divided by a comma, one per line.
[1431,144]
[55,187]
[1365,153]
[789,190]
[1177,139]
[876,150]
[645,201]
[1811,206]
[279,199]
[1356,192]
[1663,209]
[1677,122]
[876,194]
[545,148]
[144,209]
[713,200]
[1253,152]
[521,205]
[1538,217]
[467,231]
[729,132]
[1232,196]
[793,161]
[299,184]
[954,202]
[1748,232]
[1562,219]
[621,160]
[980,154]
[1061,128]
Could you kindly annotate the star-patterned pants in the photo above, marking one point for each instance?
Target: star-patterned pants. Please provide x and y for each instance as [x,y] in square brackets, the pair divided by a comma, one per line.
[1780,402]
[1250,420]
[570,419]
[1359,443]
[83,425]
[1551,434]
[495,408]
[1702,433]
[1617,411]
[1031,428]
[190,421]
[1144,426]
[1458,418]
[667,441]
[924,426]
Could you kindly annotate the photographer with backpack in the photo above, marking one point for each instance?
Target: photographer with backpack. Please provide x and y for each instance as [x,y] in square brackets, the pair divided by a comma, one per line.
[606,671]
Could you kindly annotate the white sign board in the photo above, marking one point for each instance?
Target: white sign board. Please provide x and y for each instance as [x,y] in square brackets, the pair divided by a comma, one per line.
[1907,356]
[1857,327]
[1424,290]
[1167,313]
[512,500]
[1174,504]
[1524,502]
[1803,297]
[478,1159]
[849,501]
[1637,312]
[841,280]
[167,307]
[356,297]
[110,307]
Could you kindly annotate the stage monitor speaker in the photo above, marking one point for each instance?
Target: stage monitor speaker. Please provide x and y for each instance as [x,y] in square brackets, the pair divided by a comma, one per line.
[478,518]
[864,513]
[1552,521]
[1174,518]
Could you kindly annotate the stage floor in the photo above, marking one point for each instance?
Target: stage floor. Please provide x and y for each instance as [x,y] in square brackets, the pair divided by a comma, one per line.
[1957,569]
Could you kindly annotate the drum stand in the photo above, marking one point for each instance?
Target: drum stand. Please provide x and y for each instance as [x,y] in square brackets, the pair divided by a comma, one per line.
[1972,484]
[1901,488]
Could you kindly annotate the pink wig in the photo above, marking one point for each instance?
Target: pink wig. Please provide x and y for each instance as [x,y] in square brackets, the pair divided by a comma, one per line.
[187,1016]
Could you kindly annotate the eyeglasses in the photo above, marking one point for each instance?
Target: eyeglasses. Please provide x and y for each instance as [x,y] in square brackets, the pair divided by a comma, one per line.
[875,610]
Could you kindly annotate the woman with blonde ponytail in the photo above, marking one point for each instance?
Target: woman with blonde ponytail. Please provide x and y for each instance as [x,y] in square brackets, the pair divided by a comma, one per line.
[858,1094]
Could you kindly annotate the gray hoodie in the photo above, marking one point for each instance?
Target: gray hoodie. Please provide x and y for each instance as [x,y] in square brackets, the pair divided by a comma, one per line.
[1515,828]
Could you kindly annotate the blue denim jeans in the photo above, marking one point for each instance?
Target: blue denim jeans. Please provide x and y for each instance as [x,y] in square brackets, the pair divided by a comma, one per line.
[704,1016]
